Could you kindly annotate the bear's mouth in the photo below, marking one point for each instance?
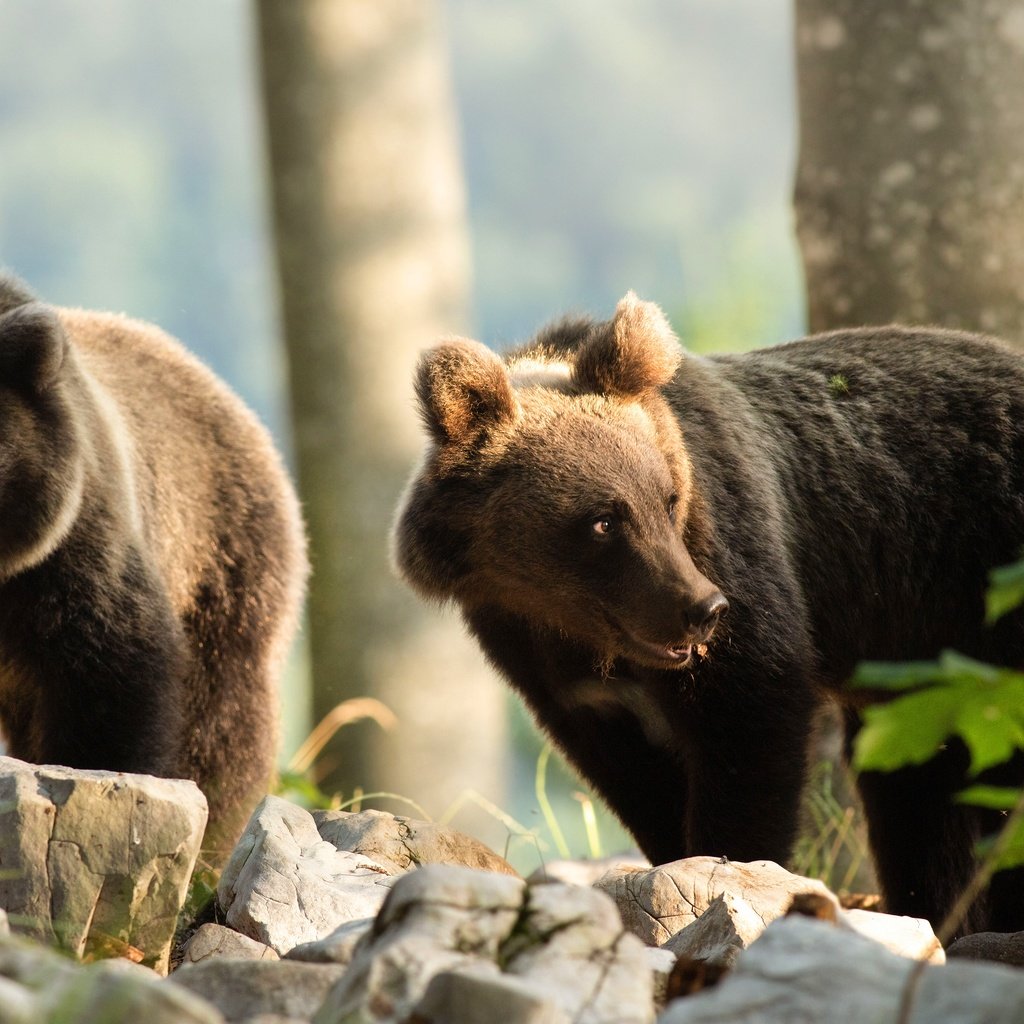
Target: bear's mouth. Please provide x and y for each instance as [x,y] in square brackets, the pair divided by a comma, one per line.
[677,655]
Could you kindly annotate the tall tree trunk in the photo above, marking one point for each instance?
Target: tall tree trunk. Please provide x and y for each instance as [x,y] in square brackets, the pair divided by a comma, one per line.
[910,187]
[371,236]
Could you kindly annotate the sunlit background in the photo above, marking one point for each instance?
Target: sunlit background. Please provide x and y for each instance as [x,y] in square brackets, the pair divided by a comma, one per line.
[644,145]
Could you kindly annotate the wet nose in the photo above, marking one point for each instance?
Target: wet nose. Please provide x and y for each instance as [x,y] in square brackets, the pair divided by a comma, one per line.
[709,611]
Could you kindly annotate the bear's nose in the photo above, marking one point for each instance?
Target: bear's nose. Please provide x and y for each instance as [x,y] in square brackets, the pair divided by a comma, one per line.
[709,611]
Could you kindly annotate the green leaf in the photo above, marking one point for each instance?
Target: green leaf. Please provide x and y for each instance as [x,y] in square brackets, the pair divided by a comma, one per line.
[895,675]
[991,726]
[1012,855]
[997,798]
[907,730]
[1005,592]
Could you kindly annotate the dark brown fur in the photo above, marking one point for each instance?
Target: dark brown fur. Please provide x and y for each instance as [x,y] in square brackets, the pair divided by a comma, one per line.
[151,558]
[841,523]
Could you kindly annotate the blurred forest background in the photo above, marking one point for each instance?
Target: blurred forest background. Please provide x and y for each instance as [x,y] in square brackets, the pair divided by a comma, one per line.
[647,145]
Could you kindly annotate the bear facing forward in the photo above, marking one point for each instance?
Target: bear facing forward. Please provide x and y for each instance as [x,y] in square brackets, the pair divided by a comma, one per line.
[676,560]
[152,561]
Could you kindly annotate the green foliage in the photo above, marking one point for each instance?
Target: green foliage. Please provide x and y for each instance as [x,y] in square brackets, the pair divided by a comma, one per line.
[1005,592]
[955,696]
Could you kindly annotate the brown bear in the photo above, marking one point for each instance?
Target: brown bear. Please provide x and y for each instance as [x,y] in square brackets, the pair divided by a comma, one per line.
[677,559]
[152,561]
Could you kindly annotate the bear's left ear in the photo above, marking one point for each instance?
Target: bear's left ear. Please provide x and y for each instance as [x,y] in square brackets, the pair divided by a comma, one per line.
[463,389]
[639,353]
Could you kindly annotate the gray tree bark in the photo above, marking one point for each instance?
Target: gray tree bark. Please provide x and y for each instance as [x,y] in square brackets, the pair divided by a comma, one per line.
[372,252]
[910,185]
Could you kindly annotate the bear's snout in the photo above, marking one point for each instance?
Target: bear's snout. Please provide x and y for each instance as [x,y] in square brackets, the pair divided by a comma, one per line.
[706,614]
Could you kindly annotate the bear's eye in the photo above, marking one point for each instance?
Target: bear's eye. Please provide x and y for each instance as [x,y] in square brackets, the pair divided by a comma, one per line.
[671,507]
[604,527]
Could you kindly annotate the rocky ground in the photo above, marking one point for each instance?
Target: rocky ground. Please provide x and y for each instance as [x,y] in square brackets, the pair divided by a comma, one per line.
[328,917]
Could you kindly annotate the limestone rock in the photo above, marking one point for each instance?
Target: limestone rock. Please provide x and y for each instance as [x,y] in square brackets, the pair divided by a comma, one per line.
[474,997]
[97,862]
[214,941]
[555,952]
[399,843]
[660,961]
[570,945]
[584,872]
[728,925]
[336,948]
[38,986]
[247,989]
[657,903]
[284,885]
[999,947]
[905,936]
[806,970]
[435,919]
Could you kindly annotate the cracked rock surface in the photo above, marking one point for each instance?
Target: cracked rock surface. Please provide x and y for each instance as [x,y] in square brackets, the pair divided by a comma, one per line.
[97,862]
[399,843]
[657,903]
[554,952]
[285,885]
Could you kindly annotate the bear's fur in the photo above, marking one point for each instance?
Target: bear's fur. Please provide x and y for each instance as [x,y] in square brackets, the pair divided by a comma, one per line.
[592,501]
[152,561]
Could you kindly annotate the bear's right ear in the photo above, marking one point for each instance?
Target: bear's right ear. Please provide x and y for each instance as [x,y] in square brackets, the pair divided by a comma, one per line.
[32,347]
[463,389]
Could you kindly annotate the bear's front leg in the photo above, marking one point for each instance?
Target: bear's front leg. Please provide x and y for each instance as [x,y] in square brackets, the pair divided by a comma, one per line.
[748,754]
[98,670]
[608,729]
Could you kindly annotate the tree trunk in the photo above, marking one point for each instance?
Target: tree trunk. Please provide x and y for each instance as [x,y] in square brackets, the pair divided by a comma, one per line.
[910,186]
[369,214]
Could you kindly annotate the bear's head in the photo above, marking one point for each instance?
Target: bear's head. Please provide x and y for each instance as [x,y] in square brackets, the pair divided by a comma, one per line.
[557,487]
[41,469]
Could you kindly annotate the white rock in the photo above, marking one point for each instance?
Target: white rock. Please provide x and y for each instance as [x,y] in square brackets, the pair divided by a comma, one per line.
[213,941]
[399,843]
[657,903]
[97,861]
[473,997]
[336,948]
[560,950]
[806,970]
[727,926]
[435,919]
[584,872]
[905,936]
[571,947]
[247,989]
[660,961]
[38,986]
[284,885]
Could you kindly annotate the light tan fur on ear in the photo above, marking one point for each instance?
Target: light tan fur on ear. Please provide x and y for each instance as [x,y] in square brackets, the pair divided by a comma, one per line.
[463,388]
[638,354]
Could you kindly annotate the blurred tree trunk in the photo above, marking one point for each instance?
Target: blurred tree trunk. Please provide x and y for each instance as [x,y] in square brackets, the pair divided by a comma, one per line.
[910,181]
[372,253]
[910,186]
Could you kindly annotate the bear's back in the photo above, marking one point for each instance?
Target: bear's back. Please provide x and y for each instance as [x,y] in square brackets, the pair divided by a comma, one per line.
[207,479]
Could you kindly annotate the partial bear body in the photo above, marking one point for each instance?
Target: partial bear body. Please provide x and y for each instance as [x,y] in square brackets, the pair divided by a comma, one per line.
[593,502]
[152,562]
